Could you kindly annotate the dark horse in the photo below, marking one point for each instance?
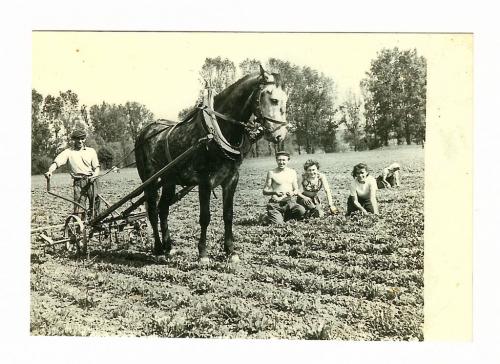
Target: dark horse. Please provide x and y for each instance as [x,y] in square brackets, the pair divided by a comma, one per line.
[253,106]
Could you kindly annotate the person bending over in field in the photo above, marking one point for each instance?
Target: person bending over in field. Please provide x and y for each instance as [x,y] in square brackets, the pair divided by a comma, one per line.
[281,184]
[362,192]
[84,168]
[389,176]
[312,182]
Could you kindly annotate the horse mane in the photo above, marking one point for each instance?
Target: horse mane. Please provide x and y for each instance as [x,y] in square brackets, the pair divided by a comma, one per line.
[250,79]
[238,92]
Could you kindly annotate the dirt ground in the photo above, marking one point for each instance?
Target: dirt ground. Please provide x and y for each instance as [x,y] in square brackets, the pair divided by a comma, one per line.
[332,278]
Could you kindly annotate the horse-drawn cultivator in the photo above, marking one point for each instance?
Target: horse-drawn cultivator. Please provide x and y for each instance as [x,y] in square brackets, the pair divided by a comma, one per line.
[208,146]
[110,226]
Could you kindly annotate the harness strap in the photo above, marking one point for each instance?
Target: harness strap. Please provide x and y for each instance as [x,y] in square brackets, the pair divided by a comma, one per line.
[167,149]
[214,129]
[222,116]
[274,121]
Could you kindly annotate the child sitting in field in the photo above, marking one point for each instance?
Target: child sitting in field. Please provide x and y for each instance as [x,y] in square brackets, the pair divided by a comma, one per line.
[389,176]
[362,192]
[312,182]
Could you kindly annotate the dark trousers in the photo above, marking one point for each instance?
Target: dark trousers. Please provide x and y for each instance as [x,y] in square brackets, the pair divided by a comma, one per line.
[314,210]
[279,212]
[85,193]
[391,180]
[365,202]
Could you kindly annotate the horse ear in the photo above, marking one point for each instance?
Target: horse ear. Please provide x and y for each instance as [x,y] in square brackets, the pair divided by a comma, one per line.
[262,71]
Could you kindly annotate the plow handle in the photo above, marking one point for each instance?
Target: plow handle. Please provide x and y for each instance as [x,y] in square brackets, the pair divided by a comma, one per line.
[62,197]
[48,183]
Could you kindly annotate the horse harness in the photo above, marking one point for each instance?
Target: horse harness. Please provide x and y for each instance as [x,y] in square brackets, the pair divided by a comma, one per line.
[253,128]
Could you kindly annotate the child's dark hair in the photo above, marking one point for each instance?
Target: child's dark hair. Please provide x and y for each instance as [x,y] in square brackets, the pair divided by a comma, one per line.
[358,167]
[310,163]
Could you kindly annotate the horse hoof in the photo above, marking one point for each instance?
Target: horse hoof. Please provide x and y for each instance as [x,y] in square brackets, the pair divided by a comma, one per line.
[234,259]
[204,261]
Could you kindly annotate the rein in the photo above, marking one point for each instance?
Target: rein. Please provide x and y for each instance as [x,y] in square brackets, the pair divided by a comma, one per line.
[253,130]
[115,167]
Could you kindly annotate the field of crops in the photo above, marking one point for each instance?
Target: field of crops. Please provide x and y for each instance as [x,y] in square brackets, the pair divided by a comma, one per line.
[331,278]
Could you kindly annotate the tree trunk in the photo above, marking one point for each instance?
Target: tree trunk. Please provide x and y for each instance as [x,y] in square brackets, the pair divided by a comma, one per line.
[407,131]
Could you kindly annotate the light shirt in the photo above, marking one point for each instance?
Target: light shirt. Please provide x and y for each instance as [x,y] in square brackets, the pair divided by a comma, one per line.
[363,190]
[389,171]
[83,161]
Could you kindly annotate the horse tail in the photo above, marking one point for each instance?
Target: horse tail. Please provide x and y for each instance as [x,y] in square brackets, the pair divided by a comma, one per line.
[142,152]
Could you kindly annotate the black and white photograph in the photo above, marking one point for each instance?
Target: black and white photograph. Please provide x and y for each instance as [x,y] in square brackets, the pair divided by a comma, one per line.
[184,186]
[249,182]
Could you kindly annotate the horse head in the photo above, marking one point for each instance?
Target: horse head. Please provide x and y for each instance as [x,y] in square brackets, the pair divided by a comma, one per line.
[270,106]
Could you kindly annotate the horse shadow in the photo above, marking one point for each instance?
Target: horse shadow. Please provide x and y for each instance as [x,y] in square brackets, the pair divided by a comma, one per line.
[130,258]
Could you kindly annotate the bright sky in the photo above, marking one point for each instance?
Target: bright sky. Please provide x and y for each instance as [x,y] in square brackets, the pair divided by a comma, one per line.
[160,70]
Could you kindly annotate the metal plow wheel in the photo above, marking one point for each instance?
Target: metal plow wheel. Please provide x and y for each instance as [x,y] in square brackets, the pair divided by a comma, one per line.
[75,234]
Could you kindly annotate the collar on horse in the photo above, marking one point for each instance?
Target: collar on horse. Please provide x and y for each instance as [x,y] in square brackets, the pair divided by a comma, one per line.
[253,128]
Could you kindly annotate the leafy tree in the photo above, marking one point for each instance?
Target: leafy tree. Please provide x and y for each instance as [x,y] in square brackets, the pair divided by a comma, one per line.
[396,93]
[117,127]
[51,112]
[219,72]
[106,156]
[249,66]
[314,115]
[42,146]
[62,114]
[310,107]
[40,164]
[40,130]
[85,115]
[328,136]
[70,113]
[138,116]
[351,118]
[110,121]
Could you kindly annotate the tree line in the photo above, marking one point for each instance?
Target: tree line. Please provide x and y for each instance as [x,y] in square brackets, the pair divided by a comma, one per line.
[111,128]
[391,107]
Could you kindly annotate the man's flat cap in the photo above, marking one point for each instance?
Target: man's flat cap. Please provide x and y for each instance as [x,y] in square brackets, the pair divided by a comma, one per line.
[78,134]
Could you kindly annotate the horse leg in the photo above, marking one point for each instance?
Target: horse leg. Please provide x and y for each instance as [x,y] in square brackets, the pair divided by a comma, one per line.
[168,192]
[204,197]
[228,190]
[151,200]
